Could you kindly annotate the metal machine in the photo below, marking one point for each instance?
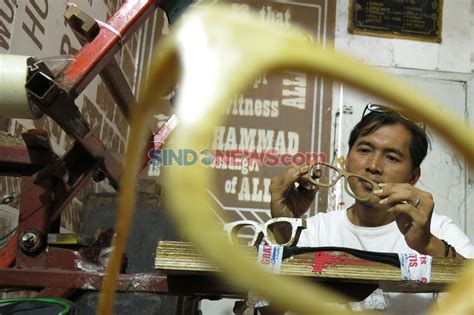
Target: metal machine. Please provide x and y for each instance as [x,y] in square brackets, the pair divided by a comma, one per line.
[48,182]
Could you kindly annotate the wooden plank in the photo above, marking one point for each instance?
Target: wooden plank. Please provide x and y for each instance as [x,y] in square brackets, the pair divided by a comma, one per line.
[10,141]
[180,258]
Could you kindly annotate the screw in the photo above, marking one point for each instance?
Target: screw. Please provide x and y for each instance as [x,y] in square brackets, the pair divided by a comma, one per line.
[98,175]
[29,239]
[6,199]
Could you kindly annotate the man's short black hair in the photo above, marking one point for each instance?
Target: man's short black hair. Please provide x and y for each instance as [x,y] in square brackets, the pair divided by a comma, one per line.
[374,120]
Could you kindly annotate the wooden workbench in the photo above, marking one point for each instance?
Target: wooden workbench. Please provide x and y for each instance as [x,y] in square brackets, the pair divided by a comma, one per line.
[354,276]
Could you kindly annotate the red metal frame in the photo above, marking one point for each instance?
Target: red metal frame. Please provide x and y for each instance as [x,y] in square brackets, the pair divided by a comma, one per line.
[38,209]
[60,281]
[80,280]
[94,56]
[49,183]
[22,161]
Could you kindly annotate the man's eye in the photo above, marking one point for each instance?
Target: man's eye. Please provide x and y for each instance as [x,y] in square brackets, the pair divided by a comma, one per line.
[392,158]
[363,150]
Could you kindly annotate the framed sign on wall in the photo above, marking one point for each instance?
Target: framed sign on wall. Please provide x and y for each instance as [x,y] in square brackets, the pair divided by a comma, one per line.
[408,19]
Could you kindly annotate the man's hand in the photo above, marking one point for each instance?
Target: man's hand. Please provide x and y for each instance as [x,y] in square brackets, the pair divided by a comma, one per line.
[287,200]
[412,209]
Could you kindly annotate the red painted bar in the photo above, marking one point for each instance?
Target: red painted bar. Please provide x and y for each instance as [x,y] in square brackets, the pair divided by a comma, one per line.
[94,56]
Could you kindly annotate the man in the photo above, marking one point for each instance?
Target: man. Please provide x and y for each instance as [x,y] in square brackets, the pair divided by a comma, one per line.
[388,149]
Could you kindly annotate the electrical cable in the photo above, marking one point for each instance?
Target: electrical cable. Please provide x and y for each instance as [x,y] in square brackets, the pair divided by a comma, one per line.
[386,258]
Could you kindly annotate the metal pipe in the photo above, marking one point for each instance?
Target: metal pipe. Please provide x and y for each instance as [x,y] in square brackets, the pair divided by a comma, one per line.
[14,101]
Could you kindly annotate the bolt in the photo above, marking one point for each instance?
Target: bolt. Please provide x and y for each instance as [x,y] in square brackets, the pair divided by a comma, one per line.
[6,199]
[29,239]
[98,175]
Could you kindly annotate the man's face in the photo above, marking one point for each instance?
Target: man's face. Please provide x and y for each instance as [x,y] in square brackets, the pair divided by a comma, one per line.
[383,156]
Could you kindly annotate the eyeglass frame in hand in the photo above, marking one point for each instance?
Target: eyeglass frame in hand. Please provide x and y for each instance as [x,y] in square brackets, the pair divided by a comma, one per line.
[341,173]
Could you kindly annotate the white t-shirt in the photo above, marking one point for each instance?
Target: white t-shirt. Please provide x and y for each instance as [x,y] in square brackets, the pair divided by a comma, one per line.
[335,229]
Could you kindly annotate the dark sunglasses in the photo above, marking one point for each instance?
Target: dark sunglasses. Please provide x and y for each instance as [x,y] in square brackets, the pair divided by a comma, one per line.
[378,108]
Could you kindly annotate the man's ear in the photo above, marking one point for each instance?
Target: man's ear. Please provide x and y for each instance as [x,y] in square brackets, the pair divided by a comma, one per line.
[415,175]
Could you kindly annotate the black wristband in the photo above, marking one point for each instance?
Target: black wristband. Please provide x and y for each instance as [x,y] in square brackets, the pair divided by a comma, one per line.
[454,251]
[446,248]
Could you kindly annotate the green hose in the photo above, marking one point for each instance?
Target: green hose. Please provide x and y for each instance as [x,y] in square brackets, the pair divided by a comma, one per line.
[66,305]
